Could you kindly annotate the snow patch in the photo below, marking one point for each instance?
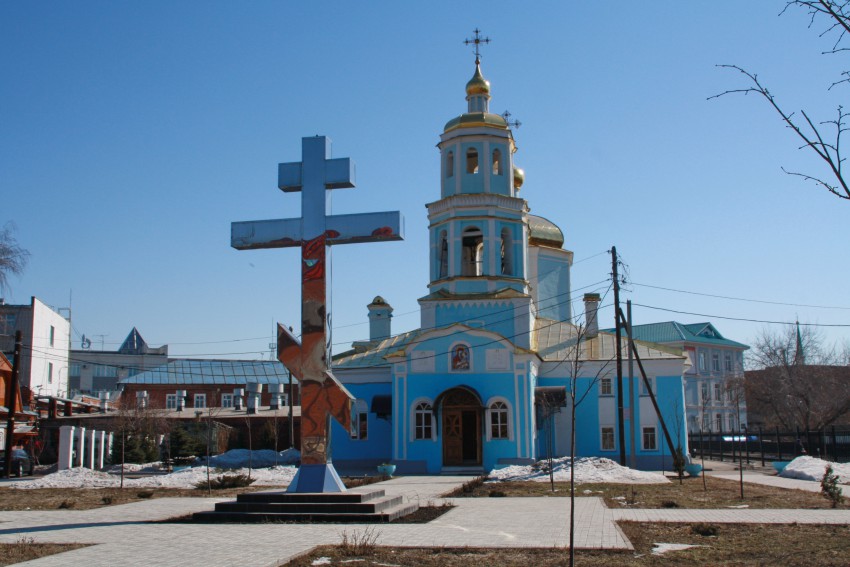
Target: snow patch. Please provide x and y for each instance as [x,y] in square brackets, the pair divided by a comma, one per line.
[186,478]
[587,470]
[812,468]
[662,548]
[321,561]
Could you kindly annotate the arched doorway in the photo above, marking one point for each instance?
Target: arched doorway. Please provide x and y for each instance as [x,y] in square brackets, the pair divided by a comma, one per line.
[461,427]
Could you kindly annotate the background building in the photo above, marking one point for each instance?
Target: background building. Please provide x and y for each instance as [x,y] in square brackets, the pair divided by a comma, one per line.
[96,371]
[46,332]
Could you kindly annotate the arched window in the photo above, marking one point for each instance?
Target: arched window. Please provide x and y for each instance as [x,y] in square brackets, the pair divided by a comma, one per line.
[443,257]
[472,160]
[450,164]
[473,250]
[507,252]
[497,162]
[498,420]
[423,421]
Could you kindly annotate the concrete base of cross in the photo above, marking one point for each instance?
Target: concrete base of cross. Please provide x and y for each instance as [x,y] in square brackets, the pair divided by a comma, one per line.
[316,478]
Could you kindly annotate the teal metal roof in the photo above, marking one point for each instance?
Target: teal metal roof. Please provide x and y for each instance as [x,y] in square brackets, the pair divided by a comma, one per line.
[674,332]
[212,372]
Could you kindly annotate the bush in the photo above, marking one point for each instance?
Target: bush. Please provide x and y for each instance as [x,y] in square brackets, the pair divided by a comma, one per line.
[829,487]
[706,530]
[669,504]
[144,494]
[226,481]
[67,504]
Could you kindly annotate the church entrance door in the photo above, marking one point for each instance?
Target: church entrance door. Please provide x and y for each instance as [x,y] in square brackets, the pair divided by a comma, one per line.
[461,429]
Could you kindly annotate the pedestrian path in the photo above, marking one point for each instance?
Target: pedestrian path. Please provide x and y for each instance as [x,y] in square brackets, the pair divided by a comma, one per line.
[124,535]
[777,481]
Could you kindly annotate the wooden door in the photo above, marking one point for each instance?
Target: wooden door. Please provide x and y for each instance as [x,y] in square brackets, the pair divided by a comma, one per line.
[452,438]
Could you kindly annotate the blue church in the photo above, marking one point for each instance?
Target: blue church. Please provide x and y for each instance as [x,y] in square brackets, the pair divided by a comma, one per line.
[485,381]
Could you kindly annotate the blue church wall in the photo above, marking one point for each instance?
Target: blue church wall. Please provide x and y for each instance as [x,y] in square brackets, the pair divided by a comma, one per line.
[496,316]
[354,455]
[553,278]
[500,184]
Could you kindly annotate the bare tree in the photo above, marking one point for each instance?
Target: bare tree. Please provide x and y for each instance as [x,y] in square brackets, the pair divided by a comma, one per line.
[822,138]
[13,258]
[799,381]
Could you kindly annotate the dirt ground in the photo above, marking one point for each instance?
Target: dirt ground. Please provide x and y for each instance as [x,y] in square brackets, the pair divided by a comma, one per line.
[727,544]
[26,550]
[719,493]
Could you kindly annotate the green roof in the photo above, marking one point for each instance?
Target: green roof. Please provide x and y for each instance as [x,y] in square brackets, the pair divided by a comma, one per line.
[674,332]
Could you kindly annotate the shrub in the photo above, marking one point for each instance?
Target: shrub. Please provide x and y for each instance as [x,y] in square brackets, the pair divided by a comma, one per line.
[144,494]
[106,500]
[67,504]
[830,488]
[227,481]
[358,543]
[669,504]
[706,530]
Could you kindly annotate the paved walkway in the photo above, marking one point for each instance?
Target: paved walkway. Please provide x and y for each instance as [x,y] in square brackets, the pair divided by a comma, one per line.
[122,535]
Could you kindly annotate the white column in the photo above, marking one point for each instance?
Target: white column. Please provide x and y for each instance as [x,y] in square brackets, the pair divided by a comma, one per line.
[100,443]
[89,452]
[81,446]
[66,446]
[110,437]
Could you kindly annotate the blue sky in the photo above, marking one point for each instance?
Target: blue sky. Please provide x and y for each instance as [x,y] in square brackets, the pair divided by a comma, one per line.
[133,134]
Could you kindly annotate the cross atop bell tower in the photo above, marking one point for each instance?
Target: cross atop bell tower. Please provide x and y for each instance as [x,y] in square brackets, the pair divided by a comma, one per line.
[477,40]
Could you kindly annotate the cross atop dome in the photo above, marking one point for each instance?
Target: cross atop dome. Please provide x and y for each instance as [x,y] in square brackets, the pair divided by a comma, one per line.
[477,40]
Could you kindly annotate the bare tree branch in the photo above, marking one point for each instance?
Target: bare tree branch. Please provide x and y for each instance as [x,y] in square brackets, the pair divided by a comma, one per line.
[13,258]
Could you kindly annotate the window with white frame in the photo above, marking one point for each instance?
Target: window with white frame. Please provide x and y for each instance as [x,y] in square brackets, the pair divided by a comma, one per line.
[171,401]
[75,369]
[227,400]
[731,421]
[359,420]
[643,390]
[718,421]
[718,394]
[715,362]
[607,433]
[649,439]
[200,401]
[706,422]
[605,387]
[104,371]
[728,362]
[702,365]
[498,417]
[7,323]
[423,421]
[704,392]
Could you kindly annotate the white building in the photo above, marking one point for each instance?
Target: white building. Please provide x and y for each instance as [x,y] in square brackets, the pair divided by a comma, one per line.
[46,344]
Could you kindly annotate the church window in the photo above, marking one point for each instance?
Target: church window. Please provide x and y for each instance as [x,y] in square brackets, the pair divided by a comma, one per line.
[444,255]
[359,420]
[507,252]
[472,160]
[423,426]
[473,251]
[450,164]
[497,415]
[460,357]
[497,162]
[649,442]
[608,439]
[605,387]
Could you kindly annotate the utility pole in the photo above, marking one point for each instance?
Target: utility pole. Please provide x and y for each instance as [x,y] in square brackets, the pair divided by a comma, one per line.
[632,384]
[621,427]
[11,404]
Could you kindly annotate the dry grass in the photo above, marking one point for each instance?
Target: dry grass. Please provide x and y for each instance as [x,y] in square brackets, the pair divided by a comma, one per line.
[25,549]
[88,498]
[721,493]
[734,544]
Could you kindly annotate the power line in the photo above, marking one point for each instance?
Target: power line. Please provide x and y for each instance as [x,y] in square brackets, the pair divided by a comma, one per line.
[741,318]
[740,298]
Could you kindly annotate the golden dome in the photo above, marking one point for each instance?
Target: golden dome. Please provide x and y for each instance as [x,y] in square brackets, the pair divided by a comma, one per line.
[519,177]
[477,84]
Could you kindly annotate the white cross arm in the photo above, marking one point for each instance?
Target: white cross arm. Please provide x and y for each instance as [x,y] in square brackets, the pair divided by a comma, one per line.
[341,229]
[339,174]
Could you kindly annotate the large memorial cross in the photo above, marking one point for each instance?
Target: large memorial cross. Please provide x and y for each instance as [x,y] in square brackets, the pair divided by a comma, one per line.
[322,395]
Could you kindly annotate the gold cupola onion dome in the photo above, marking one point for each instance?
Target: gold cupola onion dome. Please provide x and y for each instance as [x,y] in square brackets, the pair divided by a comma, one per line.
[477,85]
[519,177]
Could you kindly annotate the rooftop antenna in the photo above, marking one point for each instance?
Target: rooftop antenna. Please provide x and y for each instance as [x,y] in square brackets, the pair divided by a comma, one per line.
[477,40]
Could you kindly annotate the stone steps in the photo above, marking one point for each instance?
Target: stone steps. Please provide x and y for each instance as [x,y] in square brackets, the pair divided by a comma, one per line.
[358,506]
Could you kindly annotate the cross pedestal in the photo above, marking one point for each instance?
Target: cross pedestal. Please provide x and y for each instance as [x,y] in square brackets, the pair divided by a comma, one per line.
[322,395]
